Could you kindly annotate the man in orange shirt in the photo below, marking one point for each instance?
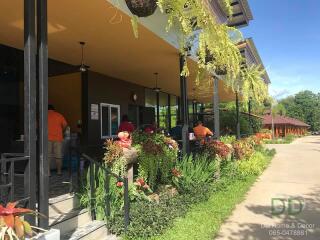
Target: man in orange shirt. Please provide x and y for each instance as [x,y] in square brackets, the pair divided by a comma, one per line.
[56,126]
[201,132]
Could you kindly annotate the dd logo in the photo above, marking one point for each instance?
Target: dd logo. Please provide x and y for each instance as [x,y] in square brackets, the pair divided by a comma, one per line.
[294,206]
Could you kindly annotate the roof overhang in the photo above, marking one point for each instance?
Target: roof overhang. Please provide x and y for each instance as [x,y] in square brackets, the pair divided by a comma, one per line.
[111,48]
[242,14]
[251,55]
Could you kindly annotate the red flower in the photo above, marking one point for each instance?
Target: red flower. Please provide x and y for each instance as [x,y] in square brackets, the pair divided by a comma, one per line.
[141,181]
[146,186]
[119,184]
[176,172]
[138,184]
[10,211]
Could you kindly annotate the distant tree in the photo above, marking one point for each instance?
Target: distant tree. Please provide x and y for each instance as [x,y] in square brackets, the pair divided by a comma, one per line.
[304,106]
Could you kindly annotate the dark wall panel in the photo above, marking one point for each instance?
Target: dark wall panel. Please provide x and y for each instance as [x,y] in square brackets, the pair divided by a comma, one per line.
[103,89]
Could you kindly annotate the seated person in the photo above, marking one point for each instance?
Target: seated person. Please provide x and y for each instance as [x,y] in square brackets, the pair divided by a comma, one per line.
[176,132]
[201,132]
[151,128]
[125,125]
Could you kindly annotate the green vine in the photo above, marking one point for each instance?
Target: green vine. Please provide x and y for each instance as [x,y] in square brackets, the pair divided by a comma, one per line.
[198,28]
[251,84]
[135,25]
[226,6]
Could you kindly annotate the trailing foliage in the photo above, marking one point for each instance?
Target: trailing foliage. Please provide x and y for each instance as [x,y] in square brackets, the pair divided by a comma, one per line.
[198,28]
[252,84]
[114,157]
[157,157]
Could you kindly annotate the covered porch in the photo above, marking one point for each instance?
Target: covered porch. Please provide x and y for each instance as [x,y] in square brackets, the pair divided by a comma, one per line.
[119,79]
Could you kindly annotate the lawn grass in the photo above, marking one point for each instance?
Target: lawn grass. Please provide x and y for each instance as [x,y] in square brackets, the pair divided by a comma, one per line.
[204,220]
[286,140]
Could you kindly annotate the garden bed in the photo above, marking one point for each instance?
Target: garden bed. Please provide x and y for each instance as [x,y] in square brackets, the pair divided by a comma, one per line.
[170,195]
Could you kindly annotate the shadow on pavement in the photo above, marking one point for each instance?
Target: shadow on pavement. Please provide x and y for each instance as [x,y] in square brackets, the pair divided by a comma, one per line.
[302,226]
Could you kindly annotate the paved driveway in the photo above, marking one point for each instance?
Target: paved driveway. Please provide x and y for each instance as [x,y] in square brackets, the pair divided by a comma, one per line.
[293,174]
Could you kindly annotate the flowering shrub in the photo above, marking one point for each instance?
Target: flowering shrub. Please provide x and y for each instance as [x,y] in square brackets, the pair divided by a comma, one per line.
[264,135]
[157,157]
[113,152]
[176,173]
[254,141]
[140,190]
[242,149]
[217,148]
[124,140]
[152,148]
[11,225]
[114,157]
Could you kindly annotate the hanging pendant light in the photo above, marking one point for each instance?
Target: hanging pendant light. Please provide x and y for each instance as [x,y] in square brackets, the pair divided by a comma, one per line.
[156,89]
[83,67]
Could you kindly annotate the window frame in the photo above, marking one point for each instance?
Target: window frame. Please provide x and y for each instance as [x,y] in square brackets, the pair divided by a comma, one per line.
[109,106]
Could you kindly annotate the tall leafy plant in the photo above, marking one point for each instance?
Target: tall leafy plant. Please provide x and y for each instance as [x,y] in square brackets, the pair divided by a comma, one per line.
[194,171]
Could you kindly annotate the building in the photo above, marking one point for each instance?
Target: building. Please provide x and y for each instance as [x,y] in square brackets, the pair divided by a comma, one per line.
[39,64]
[284,126]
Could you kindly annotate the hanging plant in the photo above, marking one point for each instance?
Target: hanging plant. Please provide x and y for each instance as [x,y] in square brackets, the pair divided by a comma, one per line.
[252,85]
[197,27]
[226,6]
[142,8]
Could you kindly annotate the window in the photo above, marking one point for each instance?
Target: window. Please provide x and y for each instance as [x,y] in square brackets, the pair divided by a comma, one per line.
[163,111]
[110,119]
[174,110]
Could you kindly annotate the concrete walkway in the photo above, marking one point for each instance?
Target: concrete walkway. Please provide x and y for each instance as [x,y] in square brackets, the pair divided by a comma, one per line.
[293,173]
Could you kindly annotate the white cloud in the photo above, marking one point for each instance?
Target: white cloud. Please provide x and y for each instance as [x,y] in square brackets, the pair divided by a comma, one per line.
[289,81]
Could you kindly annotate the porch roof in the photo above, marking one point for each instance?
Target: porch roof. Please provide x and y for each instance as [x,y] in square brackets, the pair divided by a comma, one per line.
[283,120]
[111,48]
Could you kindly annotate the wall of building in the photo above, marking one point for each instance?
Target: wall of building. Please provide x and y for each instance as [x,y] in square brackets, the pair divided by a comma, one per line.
[65,94]
[104,89]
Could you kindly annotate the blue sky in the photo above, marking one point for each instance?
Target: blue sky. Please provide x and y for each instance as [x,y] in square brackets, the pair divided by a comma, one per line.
[287,35]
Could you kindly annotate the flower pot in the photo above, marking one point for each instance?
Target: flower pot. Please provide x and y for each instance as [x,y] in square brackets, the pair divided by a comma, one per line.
[52,234]
[142,8]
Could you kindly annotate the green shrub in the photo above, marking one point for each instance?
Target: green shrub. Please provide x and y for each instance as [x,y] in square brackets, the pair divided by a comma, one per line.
[149,219]
[242,149]
[228,139]
[216,148]
[289,138]
[256,164]
[194,171]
